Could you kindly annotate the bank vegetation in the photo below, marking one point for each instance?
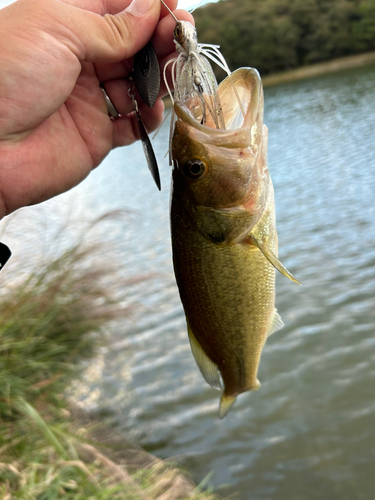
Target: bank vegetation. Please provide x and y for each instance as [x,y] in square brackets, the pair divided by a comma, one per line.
[52,319]
[278,35]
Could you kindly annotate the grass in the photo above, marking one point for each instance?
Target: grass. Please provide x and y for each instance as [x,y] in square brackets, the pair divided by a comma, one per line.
[50,322]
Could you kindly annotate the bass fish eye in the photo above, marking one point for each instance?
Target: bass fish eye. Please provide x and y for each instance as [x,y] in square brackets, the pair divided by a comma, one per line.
[194,169]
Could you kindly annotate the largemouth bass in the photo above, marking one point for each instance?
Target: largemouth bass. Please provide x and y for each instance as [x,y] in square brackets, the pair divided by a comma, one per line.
[224,236]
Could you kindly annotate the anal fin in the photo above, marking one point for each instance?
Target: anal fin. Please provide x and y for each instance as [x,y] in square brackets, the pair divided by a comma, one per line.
[208,368]
[271,257]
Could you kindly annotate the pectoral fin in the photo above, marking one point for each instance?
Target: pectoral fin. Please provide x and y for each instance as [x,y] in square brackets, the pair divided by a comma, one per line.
[271,257]
[208,368]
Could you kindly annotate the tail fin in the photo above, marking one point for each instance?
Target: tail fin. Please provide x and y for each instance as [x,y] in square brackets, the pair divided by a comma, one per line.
[225,404]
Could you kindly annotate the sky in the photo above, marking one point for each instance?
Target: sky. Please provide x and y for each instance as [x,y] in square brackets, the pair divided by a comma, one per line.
[182,4]
[188,4]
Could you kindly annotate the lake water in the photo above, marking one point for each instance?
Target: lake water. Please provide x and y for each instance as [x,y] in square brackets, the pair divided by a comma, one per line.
[309,433]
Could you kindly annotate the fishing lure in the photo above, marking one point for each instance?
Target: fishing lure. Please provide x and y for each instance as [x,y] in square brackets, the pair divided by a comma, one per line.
[192,74]
[146,74]
[146,143]
[145,77]
[5,254]
[193,79]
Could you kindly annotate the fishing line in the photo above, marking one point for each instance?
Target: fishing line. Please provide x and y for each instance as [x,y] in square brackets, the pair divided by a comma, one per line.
[169,10]
[196,7]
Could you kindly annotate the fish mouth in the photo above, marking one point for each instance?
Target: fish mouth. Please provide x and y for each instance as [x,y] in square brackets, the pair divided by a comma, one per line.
[239,102]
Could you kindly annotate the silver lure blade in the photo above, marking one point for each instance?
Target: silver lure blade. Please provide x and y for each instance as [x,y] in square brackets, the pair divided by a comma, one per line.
[145,78]
[149,151]
[146,75]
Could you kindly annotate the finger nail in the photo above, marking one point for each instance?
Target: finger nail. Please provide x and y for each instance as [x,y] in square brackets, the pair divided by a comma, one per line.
[140,7]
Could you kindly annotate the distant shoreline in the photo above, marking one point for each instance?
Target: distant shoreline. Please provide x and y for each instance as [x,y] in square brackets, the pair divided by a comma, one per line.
[319,69]
[311,71]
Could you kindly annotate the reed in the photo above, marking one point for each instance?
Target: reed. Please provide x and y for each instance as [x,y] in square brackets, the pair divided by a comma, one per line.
[50,322]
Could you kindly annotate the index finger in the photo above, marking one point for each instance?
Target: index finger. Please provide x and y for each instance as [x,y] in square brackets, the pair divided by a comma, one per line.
[162,42]
[103,7]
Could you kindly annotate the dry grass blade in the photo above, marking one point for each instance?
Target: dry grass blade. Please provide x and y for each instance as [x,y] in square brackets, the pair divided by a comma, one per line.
[119,473]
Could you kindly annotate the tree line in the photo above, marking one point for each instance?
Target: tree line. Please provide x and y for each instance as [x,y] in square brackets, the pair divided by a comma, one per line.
[275,35]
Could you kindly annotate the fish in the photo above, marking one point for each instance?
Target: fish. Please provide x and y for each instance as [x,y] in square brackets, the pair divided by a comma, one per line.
[223,231]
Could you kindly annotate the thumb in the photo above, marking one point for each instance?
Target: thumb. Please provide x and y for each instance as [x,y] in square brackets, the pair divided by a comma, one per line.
[108,38]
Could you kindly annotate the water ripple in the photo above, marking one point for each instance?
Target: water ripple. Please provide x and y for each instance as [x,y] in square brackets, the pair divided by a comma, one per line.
[308,433]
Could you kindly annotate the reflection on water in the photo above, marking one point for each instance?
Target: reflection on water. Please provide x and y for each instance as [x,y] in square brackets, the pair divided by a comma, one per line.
[308,433]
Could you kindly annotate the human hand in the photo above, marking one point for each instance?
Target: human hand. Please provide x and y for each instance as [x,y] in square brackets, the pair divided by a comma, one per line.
[54,123]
